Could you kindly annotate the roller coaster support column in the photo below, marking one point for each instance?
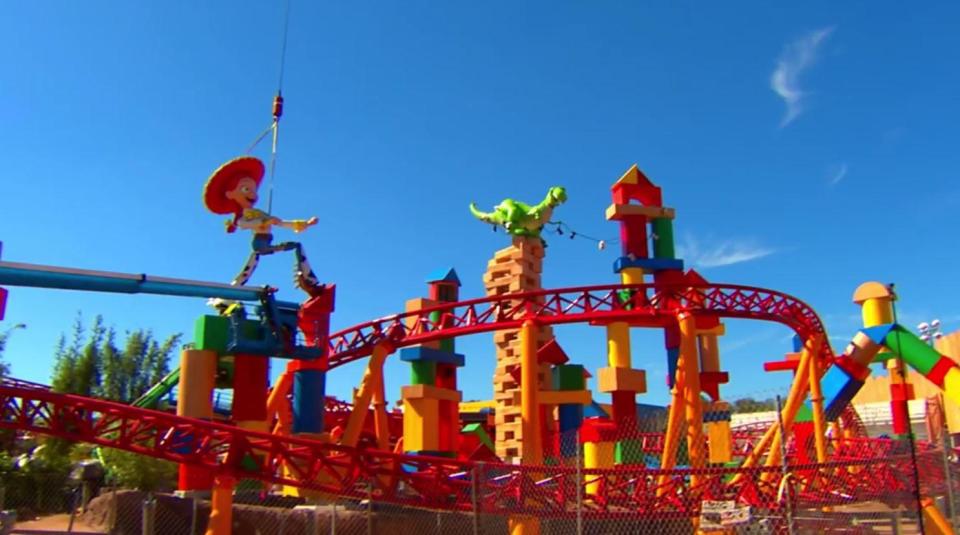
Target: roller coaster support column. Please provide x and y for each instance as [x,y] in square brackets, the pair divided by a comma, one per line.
[798,392]
[221,506]
[198,370]
[691,387]
[531,452]
[816,400]
[717,418]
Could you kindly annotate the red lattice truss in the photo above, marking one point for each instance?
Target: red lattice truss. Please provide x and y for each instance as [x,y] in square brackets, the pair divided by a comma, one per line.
[643,304]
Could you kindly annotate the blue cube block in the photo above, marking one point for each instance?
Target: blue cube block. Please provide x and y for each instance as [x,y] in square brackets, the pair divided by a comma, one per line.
[650,265]
[838,389]
[421,353]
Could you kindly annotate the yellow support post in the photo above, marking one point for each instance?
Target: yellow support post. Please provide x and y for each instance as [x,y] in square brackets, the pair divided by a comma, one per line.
[372,382]
[798,391]
[693,407]
[531,452]
[816,401]
[221,506]
[933,520]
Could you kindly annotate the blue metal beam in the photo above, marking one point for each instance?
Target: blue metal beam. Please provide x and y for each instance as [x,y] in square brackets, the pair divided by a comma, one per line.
[37,276]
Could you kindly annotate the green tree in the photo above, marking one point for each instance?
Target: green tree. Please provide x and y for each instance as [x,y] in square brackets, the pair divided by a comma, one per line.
[4,336]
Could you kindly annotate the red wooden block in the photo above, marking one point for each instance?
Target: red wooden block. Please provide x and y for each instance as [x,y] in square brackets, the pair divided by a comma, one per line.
[552,353]
[935,375]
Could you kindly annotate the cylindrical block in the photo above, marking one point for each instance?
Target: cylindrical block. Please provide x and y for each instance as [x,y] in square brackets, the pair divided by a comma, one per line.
[309,389]
[618,345]
[877,311]
[631,276]
[198,373]
[663,246]
[250,381]
[597,455]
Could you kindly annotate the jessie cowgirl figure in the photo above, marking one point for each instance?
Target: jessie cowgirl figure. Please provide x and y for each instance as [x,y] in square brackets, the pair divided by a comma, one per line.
[232,189]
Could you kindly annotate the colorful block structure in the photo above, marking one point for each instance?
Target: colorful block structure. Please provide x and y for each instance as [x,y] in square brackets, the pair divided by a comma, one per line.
[431,417]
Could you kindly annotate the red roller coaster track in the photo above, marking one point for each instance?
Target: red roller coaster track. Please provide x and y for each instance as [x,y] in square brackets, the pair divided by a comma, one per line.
[450,484]
[647,303]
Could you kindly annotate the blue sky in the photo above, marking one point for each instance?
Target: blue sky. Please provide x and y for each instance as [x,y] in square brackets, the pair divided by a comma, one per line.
[805,148]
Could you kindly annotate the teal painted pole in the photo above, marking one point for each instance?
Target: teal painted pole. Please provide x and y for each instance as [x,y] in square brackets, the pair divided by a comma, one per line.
[37,276]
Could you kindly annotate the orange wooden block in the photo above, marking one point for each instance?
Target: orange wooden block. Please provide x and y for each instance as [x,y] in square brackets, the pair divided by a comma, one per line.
[622,380]
[616,212]
[429,392]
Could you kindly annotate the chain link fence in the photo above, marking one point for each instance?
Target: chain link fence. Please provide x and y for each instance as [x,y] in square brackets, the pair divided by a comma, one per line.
[596,480]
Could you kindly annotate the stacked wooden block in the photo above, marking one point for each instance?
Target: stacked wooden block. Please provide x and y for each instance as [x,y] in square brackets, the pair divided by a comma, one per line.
[514,269]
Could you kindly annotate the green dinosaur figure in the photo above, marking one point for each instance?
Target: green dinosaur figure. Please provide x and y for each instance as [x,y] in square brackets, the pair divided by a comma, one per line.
[521,219]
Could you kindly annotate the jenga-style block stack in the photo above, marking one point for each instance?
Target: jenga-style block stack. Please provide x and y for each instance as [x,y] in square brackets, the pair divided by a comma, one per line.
[514,269]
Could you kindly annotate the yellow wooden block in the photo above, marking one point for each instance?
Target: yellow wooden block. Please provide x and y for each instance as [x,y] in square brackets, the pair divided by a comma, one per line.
[477,406]
[951,385]
[720,441]
[564,397]
[421,420]
[616,212]
[632,176]
[429,392]
[621,380]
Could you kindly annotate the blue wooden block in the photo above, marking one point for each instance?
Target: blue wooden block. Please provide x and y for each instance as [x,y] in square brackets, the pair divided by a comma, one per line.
[418,353]
[309,391]
[650,265]
[878,334]
[797,344]
[838,390]
[570,417]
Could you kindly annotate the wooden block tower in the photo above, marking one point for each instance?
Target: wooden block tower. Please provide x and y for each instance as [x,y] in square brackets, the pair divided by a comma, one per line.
[430,403]
[514,269]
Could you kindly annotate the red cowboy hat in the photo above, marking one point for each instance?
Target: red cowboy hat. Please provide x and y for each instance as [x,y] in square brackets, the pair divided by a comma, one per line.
[225,178]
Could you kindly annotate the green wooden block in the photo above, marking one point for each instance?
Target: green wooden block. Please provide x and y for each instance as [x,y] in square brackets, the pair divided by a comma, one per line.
[211,333]
[423,372]
[568,377]
[447,344]
[663,244]
[629,452]
[480,432]
[804,414]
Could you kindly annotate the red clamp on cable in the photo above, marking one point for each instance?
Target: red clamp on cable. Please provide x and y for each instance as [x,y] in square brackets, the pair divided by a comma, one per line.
[277,107]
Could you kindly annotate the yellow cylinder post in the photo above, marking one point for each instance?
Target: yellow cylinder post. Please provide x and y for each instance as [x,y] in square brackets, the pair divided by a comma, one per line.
[198,374]
[596,455]
[221,507]
[876,301]
[632,276]
[693,407]
[816,401]
[618,345]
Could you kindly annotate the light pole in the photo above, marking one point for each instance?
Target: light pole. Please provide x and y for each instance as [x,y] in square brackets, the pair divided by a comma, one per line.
[930,332]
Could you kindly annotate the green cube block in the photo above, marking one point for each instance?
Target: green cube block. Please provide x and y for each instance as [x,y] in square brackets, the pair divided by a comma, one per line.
[804,414]
[569,377]
[423,372]
[629,452]
[211,333]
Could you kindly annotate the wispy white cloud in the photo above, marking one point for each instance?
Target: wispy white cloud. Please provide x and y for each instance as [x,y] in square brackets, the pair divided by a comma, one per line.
[720,252]
[796,58]
[837,173]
